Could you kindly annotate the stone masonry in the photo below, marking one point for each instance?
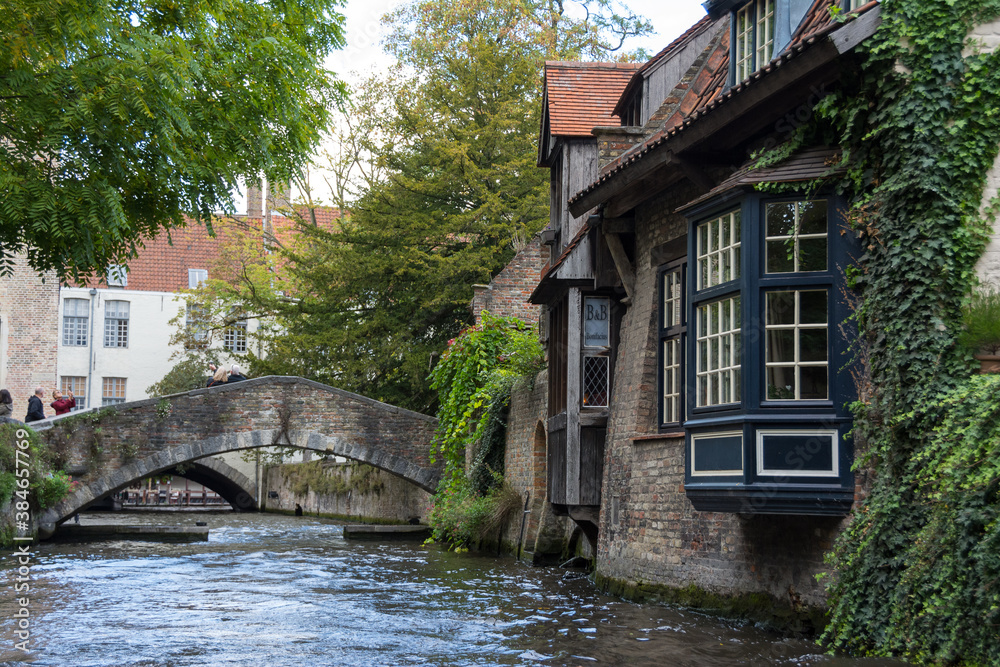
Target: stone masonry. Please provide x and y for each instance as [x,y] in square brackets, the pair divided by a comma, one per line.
[29,330]
[649,531]
[110,448]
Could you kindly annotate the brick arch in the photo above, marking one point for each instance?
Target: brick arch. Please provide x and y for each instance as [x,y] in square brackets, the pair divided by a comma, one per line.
[235,488]
[152,436]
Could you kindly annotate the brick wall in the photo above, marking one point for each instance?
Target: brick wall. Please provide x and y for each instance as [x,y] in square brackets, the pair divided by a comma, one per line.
[29,329]
[507,294]
[649,530]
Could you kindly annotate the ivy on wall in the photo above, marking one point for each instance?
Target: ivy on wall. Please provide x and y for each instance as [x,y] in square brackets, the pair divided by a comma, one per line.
[918,569]
[474,380]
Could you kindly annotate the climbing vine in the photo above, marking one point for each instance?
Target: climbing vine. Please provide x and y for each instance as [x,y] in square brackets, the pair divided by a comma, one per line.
[918,570]
[474,380]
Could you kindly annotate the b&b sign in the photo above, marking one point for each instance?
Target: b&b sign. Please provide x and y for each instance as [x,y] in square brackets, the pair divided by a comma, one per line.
[596,322]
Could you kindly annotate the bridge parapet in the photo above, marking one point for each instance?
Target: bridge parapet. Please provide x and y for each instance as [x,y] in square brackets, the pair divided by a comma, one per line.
[109,448]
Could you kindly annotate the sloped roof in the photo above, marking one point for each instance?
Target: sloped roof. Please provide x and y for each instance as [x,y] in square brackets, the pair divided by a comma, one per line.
[807,165]
[162,265]
[581,95]
[703,24]
[811,31]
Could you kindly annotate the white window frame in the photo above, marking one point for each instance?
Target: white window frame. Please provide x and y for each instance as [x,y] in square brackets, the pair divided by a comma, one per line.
[712,336]
[116,324]
[828,433]
[117,275]
[672,408]
[718,250]
[717,473]
[116,385]
[234,338]
[77,335]
[196,277]
[795,238]
[753,37]
[797,327]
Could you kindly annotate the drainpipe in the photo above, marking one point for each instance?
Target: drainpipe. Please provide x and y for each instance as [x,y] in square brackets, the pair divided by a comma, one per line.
[90,341]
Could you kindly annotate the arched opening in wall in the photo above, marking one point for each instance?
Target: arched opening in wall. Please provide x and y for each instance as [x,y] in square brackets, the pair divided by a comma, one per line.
[539,452]
[202,484]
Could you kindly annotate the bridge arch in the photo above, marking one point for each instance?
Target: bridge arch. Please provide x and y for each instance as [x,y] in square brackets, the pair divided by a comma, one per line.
[153,436]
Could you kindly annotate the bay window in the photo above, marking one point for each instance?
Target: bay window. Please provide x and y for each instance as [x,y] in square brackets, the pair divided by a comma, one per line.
[766,419]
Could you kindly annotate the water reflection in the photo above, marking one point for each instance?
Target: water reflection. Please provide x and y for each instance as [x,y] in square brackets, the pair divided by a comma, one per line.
[275,590]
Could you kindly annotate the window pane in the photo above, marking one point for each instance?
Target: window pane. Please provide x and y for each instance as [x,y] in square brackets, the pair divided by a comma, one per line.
[780,219]
[780,308]
[780,383]
[813,345]
[814,383]
[781,346]
[718,362]
[780,256]
[812,217]
[812,307]
[812,254]
[719,250]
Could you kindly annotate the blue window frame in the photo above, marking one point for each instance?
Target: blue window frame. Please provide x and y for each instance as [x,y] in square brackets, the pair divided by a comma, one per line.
[767,417]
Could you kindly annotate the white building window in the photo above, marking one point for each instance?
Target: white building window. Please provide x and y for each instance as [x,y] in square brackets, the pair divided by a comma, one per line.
[196,277]
[235,337]
[113,391]
[116,323]
[117,275]
[76,320]
[76,384]
[197,326]
[796,236]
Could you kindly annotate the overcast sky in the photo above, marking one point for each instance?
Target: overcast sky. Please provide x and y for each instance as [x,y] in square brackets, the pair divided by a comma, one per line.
[669,17]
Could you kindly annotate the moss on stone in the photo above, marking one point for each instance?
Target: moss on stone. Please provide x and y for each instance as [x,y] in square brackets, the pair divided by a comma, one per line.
[759,608]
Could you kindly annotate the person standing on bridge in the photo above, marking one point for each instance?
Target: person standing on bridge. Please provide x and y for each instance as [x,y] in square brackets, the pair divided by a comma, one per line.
[62,405]
[36,411]
[6,404]
[218,378]
[237,374]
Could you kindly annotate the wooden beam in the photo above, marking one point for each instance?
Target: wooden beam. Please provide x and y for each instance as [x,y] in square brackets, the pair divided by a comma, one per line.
[640,192]
[618,225]
[622,264]
[573,386]
[695,174]
[635,172]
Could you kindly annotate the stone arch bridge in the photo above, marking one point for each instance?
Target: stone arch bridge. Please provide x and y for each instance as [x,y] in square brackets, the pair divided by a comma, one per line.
[108,449]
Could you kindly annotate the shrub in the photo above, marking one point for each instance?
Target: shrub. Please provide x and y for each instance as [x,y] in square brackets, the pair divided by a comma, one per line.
[981,320]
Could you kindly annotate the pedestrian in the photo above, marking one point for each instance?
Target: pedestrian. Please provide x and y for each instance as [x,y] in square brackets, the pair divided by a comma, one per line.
[218,378]
[237,374]
[6,404]
[62,405]
[36,410]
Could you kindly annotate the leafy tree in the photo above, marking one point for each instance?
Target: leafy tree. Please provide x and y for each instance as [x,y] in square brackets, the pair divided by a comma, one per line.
[117,120]
[191,372]
[449,190]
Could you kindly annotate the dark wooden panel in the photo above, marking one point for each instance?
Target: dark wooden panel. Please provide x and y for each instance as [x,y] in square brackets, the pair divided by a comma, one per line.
[591,464]
[556,462]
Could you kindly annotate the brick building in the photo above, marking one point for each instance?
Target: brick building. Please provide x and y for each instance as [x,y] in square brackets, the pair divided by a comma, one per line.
[28,333]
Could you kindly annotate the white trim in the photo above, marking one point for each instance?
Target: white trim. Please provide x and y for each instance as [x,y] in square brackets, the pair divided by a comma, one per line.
[717,473]
[832,434]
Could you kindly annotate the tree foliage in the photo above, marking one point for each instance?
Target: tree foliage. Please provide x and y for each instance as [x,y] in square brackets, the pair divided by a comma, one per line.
[117,120]
[444,148]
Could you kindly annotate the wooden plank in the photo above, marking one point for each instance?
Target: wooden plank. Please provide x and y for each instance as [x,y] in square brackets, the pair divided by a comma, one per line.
[625,270]
[591,464]
[857,31]
[630,197]
[556,463]
[573,384]
[618,225]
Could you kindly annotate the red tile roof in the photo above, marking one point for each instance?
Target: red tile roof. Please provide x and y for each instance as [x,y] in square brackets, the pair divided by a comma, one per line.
[162,265]
[581,95]
[811,31]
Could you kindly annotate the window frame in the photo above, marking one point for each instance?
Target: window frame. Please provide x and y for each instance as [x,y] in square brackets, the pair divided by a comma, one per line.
[120,336]
[759,488]
[596,352]
[116,385]
[81,323]
[673,333]
[234,336]
[747,50]
[78,385]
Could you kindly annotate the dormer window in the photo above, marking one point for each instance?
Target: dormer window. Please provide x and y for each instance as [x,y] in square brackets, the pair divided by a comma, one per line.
[753,37]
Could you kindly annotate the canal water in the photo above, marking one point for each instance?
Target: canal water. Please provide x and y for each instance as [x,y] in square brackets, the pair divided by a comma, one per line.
[271,590]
